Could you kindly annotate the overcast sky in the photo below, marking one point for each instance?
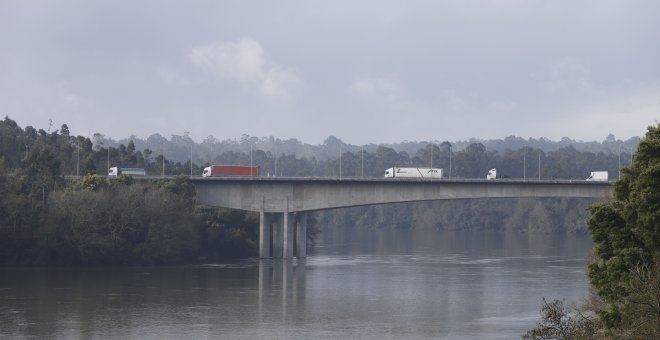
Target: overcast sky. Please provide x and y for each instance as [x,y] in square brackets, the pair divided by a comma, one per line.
[363,71]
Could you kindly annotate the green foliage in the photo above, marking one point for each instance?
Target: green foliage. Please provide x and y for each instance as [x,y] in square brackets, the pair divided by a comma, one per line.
[181,186]
[524,215]
[90,182]
[626,232]
[122,224]
[560,322]
[228,232]
[118,222]
[626,229]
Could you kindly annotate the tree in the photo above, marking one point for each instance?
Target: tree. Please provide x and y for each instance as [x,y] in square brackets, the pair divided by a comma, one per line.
[43,171]
[559,322]
[626,233]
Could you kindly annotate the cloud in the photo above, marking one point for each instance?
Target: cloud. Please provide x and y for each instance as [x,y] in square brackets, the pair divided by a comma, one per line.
[374,86]
[503,106]
[245,61]
[569,75]
[623,115]
[70,100]
[508,3]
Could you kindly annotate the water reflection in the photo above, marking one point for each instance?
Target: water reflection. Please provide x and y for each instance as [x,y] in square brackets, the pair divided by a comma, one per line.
[283,280]
[367,284]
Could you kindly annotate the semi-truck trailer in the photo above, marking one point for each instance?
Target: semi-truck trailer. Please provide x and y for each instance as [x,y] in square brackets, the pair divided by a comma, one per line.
[598,176]
[230,170]
[413,173]
[116,171]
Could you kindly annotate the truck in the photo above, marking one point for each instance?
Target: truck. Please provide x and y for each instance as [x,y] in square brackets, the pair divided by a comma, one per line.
[230,170]
[492,174]
[413,173]
[116,171]
[598,176]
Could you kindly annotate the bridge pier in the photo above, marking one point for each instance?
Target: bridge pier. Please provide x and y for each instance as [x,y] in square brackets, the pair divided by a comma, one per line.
[279,231]
[278,235]
[265,226]
[287,223]
[301,235]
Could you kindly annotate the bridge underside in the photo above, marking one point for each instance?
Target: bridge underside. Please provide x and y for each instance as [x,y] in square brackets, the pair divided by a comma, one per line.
[282,201]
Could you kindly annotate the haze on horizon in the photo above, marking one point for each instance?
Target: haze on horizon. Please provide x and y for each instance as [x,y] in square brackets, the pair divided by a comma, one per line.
[367,71]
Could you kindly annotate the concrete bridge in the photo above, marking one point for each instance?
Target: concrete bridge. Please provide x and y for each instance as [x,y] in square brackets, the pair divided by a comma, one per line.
[283,201]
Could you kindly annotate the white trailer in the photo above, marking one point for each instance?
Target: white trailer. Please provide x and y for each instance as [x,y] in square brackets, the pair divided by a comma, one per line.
[116,171]
[413,173]
[598,176]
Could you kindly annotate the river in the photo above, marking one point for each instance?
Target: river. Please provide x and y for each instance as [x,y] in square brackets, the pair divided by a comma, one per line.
[368,284]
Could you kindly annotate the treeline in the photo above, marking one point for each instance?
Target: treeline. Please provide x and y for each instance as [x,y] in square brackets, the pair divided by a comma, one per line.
[178,147]
[46,219]
[525,215]
[99,221]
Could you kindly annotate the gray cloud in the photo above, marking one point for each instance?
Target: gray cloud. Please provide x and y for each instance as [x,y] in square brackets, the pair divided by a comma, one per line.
[367,71]
[245,62]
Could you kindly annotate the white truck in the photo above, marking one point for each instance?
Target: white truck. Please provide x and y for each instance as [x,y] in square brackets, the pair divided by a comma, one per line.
[492,174]
[116,171]
[413,173]
[598,176]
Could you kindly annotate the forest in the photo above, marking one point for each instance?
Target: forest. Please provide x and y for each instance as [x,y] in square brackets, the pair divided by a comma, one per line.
[58,207]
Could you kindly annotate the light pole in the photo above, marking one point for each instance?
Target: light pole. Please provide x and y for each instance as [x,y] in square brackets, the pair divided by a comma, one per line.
[362,166]
[187,134]
[525,163]
[449,160]
[162,154]
[431,155]
[340,162]
[78,160]
[619,177]
[539,164]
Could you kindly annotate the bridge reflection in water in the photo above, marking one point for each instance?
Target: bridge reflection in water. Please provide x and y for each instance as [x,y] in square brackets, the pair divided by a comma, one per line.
[281,279]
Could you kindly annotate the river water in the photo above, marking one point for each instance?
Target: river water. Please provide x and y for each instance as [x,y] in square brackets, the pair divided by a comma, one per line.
[367,284]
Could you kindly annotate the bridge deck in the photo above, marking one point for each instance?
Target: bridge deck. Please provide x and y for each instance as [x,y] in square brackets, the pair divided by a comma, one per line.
[278,194]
